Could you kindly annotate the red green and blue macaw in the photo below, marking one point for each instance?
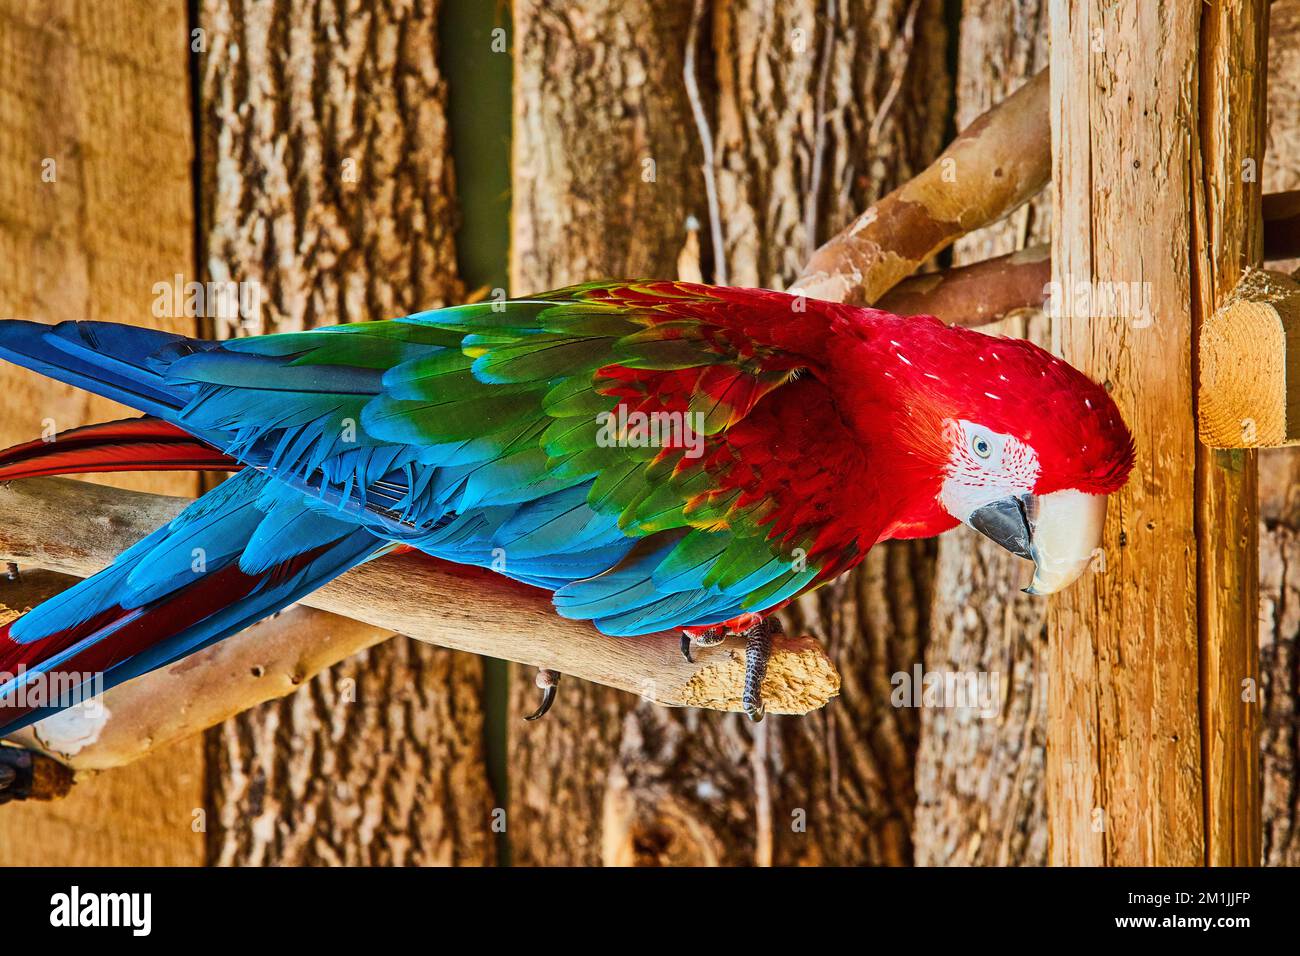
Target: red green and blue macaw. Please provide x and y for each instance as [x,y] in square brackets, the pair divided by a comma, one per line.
[796,435]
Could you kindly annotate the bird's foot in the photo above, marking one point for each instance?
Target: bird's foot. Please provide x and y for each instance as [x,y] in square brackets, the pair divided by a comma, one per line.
[708,637]
[549,682]
[758,648]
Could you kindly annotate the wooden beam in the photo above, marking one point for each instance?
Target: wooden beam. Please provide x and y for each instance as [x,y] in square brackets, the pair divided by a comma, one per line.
[1249,388]
[78,528]
[1149,755]
[1228,239]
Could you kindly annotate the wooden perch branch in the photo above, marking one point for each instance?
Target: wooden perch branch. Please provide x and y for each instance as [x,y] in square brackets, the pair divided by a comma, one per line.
[988,291]
[976,294]
[1249,390]
[998,162]
[77,528]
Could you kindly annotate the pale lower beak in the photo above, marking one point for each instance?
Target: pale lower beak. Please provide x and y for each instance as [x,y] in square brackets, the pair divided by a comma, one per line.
[1060,532]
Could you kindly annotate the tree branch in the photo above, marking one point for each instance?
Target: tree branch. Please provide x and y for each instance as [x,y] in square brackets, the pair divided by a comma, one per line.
[998,162]
[78,528]
[987,291]
[977,294]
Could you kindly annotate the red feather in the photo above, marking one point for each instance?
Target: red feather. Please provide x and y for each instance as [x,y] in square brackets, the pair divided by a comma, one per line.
[135,444]
[136,629]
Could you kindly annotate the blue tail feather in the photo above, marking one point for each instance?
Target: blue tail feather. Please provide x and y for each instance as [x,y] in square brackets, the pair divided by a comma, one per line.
[110,360]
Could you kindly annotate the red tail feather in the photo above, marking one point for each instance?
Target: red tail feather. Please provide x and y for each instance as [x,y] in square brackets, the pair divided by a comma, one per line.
[117,634]
[136,444]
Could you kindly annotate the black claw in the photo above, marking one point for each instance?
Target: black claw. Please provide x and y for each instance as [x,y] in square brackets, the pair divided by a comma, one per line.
[686,648]
[549,682]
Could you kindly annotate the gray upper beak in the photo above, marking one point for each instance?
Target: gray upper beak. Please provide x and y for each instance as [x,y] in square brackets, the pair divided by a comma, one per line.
[1060,532]
[1006,523]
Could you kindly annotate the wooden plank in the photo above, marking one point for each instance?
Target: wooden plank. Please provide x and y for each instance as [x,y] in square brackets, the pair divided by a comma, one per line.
[1124,755]
[327,180]
[1147,761]
[95,97]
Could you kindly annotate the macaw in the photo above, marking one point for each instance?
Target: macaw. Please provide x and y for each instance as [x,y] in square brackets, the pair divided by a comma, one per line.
[661,456]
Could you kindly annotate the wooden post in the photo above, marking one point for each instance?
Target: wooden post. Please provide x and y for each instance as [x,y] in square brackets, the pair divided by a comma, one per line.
[1156,111]
[1228,234]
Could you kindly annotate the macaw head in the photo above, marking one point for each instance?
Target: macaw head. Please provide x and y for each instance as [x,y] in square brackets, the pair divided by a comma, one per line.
[1033,452]
[1025,447]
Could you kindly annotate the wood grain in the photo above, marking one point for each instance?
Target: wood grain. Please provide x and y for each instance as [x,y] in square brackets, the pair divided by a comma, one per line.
[1124,755]
[1248,390]
[1149,753]
[94,96]
[1228,240]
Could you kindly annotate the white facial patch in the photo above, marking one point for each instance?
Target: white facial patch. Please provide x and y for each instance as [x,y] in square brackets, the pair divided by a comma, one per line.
[984,466]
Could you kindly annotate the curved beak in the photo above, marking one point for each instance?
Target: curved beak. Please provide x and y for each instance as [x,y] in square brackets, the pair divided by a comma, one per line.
[1060,532]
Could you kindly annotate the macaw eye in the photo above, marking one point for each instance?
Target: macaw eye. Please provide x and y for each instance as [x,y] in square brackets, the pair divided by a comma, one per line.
[980,445]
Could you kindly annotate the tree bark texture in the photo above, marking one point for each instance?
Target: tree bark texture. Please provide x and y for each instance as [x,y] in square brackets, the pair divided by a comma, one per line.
[980,798]
[812,110]
[96,207]
[1279,512]
[327,180]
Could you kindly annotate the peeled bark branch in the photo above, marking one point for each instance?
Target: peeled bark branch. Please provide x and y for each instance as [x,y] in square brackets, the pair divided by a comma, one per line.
[78,528]
[978,294]
[998,162]
[988,291]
